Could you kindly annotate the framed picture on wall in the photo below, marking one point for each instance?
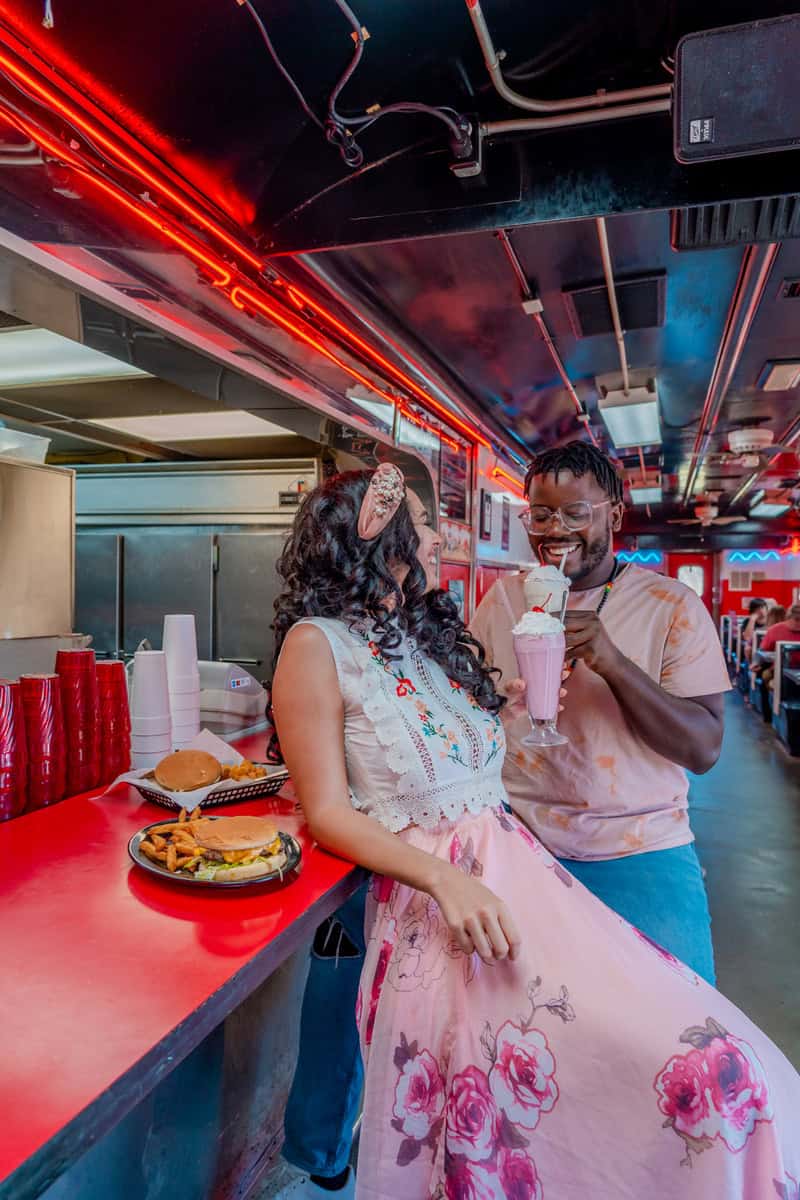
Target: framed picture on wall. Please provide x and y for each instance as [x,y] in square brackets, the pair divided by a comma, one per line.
[486,516]
[505,533]
[456,541]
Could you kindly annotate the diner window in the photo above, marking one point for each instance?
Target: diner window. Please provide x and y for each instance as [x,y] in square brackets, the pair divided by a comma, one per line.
[694,576]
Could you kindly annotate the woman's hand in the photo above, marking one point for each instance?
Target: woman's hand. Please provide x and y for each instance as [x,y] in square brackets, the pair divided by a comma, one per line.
[479,922]
[515,694]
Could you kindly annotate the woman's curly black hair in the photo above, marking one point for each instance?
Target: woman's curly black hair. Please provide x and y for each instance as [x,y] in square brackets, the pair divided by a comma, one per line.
[329,571]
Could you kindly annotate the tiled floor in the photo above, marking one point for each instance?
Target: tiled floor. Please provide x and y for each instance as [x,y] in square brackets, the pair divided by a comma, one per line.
[746,817]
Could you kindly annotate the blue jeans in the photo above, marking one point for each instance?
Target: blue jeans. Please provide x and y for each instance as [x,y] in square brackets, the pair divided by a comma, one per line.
[662,893]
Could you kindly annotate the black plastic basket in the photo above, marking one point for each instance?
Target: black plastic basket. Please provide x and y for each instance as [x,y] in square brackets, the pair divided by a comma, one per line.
[253,789]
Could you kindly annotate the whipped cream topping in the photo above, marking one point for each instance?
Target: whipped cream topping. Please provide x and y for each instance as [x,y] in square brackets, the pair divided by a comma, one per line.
[537,624]
[544,587]
[546,572]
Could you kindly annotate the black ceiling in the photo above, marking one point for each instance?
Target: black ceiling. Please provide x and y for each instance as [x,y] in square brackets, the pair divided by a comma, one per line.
[196,84]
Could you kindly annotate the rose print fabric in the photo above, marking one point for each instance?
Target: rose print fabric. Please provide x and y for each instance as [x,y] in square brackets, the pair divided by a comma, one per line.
[596,1066]
[606,794]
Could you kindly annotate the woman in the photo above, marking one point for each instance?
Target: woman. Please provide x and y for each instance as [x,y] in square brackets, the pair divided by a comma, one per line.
[520,1039]
[756,619]
[775,615]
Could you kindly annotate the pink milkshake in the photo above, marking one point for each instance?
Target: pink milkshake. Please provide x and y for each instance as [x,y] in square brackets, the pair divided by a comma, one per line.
[539,646]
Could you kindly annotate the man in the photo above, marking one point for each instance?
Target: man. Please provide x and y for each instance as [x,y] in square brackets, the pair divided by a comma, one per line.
[643,706]
[783,631]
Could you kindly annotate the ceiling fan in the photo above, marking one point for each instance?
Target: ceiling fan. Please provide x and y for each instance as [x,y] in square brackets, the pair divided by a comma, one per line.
[706,513]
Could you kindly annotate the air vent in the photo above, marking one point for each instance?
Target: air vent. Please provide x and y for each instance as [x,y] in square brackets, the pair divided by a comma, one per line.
[735,223]
[790,289]
[641,300]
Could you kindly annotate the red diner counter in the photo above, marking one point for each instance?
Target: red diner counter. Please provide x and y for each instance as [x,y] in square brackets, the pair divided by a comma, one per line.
[110,977]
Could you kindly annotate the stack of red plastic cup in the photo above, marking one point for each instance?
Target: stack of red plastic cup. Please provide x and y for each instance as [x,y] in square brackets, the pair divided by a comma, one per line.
[13,752]
[77,671]
[47,744]
[115,721]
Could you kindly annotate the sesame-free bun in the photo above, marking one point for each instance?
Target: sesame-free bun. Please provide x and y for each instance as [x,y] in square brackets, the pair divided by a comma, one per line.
[234,833]
[187,770]
[253,870]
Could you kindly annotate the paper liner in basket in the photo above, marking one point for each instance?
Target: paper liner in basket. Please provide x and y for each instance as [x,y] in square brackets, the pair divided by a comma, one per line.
[207,741]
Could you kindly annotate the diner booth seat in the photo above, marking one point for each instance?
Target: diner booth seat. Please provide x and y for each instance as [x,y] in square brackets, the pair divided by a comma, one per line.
[786,700]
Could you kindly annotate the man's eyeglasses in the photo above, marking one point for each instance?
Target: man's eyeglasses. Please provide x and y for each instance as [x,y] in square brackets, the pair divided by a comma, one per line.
[538,518]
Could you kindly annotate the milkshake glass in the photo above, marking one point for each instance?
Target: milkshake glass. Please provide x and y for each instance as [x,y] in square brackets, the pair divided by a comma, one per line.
[539,646]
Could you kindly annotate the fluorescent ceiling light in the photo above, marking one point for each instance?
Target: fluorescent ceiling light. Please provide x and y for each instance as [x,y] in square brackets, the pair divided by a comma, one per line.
[632,420]
[765,509]
[37,356]
[645,494]
[195,427]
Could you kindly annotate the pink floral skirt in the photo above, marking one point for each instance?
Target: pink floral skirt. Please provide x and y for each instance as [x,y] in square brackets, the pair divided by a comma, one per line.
[595,1067]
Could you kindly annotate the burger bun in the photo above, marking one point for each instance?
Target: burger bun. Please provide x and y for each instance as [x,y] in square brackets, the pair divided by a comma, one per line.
[233,833]
[250,870]
[188,770]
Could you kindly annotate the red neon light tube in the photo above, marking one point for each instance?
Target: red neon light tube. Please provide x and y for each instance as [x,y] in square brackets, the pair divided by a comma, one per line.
[138,168]
[49,97]
[389,366]
[240,297]
[189,247]
[509,481]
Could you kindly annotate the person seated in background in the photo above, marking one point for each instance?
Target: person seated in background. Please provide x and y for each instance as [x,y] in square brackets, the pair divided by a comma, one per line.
[775,614]
[778,630]
[756,619]
[783,631]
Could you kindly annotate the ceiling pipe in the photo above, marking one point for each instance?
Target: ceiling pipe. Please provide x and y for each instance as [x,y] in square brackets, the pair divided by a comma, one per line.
[533,307]
[757,263]
[608,271]
[599,100]
[790,435]
[491,129]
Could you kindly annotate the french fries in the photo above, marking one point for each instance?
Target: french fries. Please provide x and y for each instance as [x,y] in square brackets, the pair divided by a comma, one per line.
[173,845]
[243,770]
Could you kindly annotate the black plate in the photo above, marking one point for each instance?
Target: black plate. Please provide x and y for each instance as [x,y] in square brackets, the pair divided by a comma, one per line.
[291,848]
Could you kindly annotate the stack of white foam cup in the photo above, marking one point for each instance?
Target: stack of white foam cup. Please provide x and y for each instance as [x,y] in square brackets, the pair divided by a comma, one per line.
[151,725]
[183,675]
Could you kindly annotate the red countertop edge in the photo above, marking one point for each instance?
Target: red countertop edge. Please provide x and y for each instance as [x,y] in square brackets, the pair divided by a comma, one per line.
[91,914]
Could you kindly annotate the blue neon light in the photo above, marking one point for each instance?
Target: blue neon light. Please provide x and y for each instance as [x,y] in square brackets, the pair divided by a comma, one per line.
[747,556]
[653,558]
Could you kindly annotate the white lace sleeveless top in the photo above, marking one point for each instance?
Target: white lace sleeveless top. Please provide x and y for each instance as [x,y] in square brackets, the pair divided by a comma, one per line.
[419,749]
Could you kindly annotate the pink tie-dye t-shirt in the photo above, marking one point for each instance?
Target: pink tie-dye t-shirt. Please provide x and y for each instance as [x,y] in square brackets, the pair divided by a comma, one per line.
[607,794]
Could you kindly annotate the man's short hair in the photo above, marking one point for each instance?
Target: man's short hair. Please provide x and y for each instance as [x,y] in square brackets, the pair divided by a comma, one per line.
[580,458]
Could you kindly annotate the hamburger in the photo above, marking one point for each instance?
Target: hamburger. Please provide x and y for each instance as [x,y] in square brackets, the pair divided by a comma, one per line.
[237,848]
[187,770]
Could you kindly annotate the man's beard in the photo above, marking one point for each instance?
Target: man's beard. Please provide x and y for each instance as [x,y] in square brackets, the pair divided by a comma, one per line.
[595,552]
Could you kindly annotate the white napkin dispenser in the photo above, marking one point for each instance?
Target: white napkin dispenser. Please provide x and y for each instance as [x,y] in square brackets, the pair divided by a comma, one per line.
[227,688]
